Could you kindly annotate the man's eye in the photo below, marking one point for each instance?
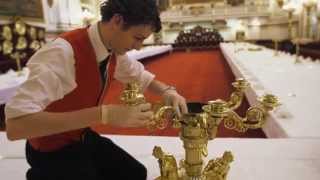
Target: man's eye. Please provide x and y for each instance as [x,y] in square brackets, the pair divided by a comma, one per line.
[139,39]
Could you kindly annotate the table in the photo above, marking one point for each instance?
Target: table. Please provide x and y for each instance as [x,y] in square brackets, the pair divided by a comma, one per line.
[149,51]
[9,82]
[296,85]
[262,159]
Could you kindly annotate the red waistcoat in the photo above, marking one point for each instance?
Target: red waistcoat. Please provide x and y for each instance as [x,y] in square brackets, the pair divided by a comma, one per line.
[88,93]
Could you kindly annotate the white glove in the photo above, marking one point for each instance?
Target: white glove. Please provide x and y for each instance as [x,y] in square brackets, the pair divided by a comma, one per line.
[172,98]
[126,116]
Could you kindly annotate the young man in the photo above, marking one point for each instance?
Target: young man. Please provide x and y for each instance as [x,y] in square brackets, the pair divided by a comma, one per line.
[62,97]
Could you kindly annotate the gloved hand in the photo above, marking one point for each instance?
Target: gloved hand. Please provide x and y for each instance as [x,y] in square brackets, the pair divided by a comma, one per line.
[126,116]
[172,98]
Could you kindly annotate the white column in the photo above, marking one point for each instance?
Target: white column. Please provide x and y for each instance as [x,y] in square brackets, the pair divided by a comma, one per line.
[75,12]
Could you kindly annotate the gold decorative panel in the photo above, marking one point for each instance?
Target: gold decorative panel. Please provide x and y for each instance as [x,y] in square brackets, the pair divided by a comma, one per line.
[235,2]
[175,2]
[19,40]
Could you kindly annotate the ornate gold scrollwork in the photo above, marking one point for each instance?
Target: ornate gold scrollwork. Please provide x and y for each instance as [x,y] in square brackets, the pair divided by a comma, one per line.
[133,96]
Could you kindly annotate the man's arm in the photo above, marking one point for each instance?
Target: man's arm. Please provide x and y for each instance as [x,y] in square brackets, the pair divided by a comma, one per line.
[170,95]
[128,70]
[52,76]
[45,123]
[157,87]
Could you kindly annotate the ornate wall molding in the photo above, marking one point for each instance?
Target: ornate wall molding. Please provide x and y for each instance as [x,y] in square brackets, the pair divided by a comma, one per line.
[198,38]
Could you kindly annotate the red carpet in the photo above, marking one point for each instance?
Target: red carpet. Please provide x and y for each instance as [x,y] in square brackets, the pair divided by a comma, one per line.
[199,76]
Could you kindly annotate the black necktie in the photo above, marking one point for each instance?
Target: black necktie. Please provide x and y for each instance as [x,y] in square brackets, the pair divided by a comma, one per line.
[103,69]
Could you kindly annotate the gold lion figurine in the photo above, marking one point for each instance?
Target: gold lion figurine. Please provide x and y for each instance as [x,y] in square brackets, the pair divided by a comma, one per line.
[217,169]
[167,163]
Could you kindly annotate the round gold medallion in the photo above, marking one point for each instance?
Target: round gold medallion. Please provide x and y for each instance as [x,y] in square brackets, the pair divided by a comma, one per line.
[20,27]
[41,34]
[7,33]
[7,47]
[33,33]
[35,45]
[22,43]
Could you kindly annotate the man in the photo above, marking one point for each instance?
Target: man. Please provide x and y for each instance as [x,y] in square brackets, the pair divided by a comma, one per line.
[60,99]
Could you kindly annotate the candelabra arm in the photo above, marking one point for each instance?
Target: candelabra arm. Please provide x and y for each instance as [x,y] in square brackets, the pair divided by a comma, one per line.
[161,116]
[255,118]
[132,96]
[235,100]
[236,97]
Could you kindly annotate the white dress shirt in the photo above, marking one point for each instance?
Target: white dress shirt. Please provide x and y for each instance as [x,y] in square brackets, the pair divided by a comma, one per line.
[52,75]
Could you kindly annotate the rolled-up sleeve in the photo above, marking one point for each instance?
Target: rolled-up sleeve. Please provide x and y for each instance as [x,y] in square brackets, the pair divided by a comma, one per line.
[128,70]
[52,76]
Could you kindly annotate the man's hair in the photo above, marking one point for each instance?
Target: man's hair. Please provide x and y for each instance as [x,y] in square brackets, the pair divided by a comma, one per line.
[133,12]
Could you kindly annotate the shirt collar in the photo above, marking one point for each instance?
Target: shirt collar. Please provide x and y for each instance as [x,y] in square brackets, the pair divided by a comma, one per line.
[100,50]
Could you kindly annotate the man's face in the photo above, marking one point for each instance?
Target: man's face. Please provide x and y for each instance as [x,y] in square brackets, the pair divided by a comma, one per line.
[125,40]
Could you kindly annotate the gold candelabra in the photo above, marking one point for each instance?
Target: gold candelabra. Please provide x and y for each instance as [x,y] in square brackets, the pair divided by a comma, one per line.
[280,3]
[240,37]
[290,25]
[198,128]
[297,53]
[276,47]
[308,7]
[318,17]
[132,96]
[298,42]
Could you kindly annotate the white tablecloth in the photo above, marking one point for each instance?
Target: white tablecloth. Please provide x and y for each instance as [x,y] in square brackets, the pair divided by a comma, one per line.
[255,159]
[149,51]
[296,85]
[9,82]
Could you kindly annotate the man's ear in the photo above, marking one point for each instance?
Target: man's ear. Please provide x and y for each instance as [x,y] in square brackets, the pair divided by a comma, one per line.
[117,20]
